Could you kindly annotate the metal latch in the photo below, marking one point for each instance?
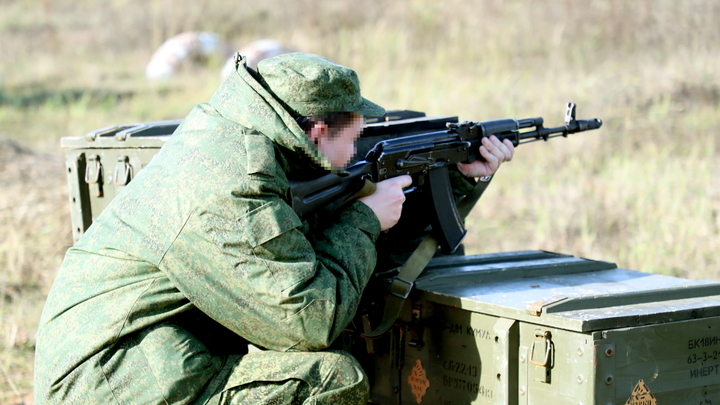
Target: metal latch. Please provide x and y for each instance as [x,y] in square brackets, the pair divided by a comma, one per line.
[93,169]
[123,171]
[544,363]
[93,175]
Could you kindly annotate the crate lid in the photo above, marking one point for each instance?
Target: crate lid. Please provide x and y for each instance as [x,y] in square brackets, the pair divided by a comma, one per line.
[563,291]
[140,135]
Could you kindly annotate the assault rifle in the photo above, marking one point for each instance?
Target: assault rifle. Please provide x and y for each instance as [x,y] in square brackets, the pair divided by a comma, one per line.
[426,157]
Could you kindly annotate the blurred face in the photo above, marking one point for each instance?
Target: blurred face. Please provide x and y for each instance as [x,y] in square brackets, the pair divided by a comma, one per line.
[339,147]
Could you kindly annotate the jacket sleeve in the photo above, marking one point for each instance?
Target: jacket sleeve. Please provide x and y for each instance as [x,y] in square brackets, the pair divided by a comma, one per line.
[243,259]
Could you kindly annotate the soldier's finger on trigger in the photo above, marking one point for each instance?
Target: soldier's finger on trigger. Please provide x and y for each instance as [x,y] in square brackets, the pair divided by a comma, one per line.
[404,181]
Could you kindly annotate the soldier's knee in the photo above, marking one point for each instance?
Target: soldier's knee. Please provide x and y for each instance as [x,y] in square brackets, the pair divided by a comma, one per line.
[341,372]
[343,367]
[327,377]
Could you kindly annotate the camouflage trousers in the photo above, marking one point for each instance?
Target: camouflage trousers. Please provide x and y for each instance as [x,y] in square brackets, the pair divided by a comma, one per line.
[269,377]
[167,364]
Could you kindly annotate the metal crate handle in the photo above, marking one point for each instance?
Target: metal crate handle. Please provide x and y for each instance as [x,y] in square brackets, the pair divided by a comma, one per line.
[123,161]
[547,353]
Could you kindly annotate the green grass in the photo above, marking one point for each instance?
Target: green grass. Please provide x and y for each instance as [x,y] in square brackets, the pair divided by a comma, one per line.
[644,191]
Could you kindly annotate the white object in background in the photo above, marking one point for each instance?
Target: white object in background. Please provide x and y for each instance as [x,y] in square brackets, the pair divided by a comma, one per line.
[193,46]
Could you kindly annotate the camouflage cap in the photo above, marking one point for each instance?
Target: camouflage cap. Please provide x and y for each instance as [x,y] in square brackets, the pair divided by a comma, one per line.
[309,85]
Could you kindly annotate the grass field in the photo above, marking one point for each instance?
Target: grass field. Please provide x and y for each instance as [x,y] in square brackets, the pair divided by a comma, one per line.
[644,191]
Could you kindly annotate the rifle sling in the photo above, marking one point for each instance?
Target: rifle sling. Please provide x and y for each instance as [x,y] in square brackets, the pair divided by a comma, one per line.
[403,283]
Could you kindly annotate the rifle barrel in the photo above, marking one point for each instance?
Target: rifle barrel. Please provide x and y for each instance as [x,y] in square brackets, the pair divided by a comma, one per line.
[571,128]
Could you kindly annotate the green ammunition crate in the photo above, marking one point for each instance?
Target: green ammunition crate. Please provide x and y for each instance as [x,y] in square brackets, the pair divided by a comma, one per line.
[525,327]
[101,163]
[536,327]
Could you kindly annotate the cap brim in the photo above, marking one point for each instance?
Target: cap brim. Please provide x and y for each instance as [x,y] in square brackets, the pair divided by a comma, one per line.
[369,109]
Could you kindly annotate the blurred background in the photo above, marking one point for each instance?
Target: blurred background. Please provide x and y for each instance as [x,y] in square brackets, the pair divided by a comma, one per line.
[644,191]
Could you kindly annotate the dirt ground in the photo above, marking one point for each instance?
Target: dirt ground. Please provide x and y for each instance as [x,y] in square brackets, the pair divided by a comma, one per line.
[34,229]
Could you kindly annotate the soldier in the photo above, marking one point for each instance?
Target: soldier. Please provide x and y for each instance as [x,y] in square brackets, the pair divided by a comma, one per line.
[202,252]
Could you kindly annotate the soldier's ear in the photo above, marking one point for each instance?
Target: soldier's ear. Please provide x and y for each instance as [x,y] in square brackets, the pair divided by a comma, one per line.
[319,131]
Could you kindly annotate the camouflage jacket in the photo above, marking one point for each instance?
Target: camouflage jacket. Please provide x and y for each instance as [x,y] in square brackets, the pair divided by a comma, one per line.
[206,226]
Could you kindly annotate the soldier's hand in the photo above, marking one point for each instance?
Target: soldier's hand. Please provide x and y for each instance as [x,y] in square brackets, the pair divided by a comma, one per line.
[388,199]
[494,152]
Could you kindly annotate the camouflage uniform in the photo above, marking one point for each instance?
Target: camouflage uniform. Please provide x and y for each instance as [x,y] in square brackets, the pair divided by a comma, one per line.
[202,248]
